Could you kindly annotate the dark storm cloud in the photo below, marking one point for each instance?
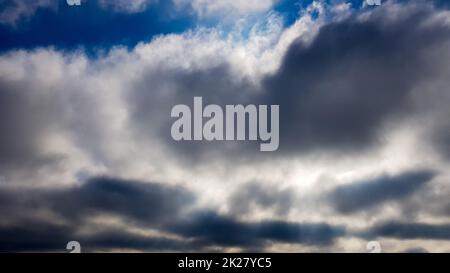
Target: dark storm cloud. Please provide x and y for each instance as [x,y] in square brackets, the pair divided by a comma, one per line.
[416,250]
[360,196]
[118,239]
[27,226]
[399,230]
[213,229]
[150,204]
[39,236]
[31,236]
[38,220]
[255,196]
[337,92]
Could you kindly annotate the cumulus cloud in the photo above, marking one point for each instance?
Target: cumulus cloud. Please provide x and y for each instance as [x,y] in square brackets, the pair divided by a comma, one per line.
[205,8]
[359,94]
[356,75]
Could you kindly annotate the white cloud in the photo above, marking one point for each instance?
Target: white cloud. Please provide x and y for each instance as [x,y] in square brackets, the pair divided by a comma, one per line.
[128,6]
[93,129]
[16,10]
[231,8]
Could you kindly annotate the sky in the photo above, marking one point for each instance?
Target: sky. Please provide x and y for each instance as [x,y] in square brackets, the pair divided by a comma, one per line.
[86,155]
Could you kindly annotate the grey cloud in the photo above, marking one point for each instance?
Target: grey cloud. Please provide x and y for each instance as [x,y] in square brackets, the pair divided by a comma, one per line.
[213,229]
[12,11]
[360,196]
[34,109]
[150,204]
[257,196]
[339,91]
[416,250]
[439,134]
[118,239]
[153,97]
[40,236]
[38,220]
[27,226]
[410,231]
[335,94]
[431,200]
[25,117]
[34,236]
